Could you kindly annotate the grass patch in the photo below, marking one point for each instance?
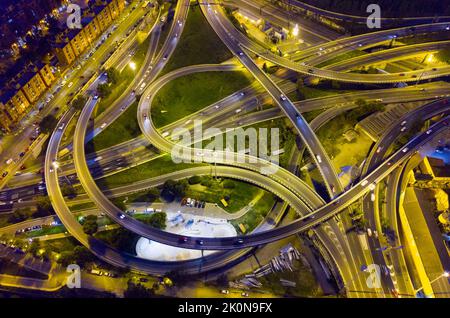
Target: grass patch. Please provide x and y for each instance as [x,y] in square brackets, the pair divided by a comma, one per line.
[257,214]
[124,128]
[120,239]
[238,193]
[341,57]
[188,94]
[198,44]
[306,284]
[46,231]
[153,168]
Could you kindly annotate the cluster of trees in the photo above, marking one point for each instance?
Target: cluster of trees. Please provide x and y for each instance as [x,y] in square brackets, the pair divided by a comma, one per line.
[172,189]
[105,89]
[48,124]
[79,102]
[90,225]
[20,215]
[138,291]
[157,220]
[43,207]
[79,255]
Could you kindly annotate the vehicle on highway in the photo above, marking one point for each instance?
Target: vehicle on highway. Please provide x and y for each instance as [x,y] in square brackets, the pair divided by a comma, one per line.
[103,126]
[240,241]
[225,291]
[121,216]
[364,183]
[282,97]
[244,294]
[369,232]
[405,149]
[319,159]
[61,127]
[200,242]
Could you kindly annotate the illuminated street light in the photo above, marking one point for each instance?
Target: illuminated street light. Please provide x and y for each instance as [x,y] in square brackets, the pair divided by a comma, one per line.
[132,65]
[295,30]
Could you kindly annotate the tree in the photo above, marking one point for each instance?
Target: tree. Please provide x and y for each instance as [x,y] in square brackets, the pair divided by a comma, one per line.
[120,204]
[138,291]
[35,246]
[194,180]
[68,191]
[103,90]
[90,225]
[81,255]
[20,215]
[174,189]
[79,102]
[113,75]
[43,207]
[157,220]
[48,123]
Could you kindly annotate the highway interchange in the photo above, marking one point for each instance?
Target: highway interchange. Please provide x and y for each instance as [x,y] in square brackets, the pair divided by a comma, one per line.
[312,208]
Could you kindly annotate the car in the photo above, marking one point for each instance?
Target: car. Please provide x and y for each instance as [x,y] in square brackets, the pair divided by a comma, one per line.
[121,216]
[364,183]
[429,131]
[375,233]
[70,85]
[95,97]
[61,127]
[103,126]
[165,57]
[369,232]
[22,167]
[200,242]
[310,71]
[403,128]
[241,53]
[372,197]
[372,186]
[405,149]
[319,159]
[225,291]
[402,74]
[414,76]
[21,154]
[403,123]
[244,294]
[282,97]
[379,149]
[183,239]
[240,241]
